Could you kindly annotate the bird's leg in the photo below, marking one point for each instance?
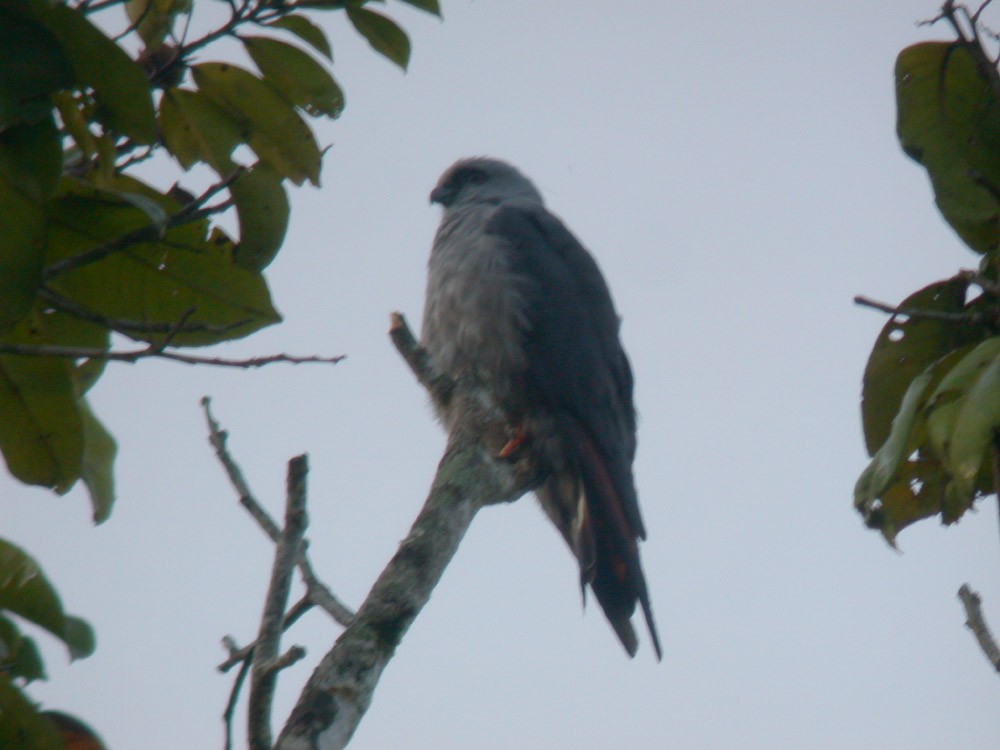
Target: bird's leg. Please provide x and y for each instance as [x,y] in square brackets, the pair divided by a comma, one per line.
[518,437]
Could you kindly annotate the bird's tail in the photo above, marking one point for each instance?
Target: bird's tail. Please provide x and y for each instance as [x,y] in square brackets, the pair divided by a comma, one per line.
[613,570]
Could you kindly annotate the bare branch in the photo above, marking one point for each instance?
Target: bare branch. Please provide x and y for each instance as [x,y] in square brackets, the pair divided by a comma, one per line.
[266,662]
[234,694]
[975,622]
[439,385]
[242,655]
[469,477]
[152,351]
[917,313]
[317,592]
[291,656]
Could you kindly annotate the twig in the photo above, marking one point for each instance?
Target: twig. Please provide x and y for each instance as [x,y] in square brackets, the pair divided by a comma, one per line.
[318,593]
[234,694]
[93,7]
[916,312]
[995,455]
[439,385]
[469,478]
[975,622]
[242,655]
[266,662]
[123,325]
[287,659]
[974,277]
[133,356]
[971,41]
[153,231]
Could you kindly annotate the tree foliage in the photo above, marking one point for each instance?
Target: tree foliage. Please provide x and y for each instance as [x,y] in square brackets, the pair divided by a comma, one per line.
[88,249]
[931,396]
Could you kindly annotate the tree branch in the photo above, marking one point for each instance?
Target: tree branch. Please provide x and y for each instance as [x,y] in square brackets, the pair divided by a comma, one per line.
[227,715]
[437,384]
[266,661]
[469,478]
[153,350]
[125,326]
[916,312]
[244,655]
[153,231]
[977,624]
[318,593]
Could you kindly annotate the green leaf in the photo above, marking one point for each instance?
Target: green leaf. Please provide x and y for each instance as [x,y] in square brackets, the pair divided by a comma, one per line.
[262,206]
[949,397]
[195,128]
[276,132]
[75,734]
[302,80]
[22,253]
[905,348]
[79,636]
[32,66]
[40,435]
[157,281]
[97,470]
[917,493]
[25,591]
[428,6]
[974,415]
[905,482]
[307,31]
[23,727]
[119,84]
[31,157]
[881,472]
[59,328]
[949,121]
[383,34]
[71,112]
[156,214]
[19,656]
[154,19]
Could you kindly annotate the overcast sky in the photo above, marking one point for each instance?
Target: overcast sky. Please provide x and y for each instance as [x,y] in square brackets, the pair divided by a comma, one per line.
[734,169]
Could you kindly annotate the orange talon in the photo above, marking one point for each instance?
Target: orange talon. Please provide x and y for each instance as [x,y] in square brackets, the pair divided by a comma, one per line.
[517,439]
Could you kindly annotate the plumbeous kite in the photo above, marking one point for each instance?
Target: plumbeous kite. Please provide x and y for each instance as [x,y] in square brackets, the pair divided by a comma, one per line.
[514,298]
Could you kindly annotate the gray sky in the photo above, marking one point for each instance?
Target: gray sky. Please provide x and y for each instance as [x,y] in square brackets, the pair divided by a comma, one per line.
[734,168]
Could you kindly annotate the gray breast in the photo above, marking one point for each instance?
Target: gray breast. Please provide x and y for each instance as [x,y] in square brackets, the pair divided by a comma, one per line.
[474,309]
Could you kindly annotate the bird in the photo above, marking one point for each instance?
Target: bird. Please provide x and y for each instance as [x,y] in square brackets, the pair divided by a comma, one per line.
[515,300]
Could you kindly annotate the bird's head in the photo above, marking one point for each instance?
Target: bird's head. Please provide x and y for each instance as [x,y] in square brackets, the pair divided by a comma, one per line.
[483,180]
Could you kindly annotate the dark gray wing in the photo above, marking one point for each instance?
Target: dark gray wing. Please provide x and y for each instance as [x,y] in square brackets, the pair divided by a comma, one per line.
[576,363]
[578,374]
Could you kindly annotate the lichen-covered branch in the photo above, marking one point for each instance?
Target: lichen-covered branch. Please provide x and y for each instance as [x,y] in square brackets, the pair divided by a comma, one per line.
[266,659]
[977,624]
[469,478]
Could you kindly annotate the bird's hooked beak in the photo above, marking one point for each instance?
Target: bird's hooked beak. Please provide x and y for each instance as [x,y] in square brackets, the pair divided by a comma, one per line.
[443,195]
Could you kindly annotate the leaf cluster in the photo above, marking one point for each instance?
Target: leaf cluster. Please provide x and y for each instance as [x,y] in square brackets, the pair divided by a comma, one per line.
[88,249]
[25,593]
[931,395]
